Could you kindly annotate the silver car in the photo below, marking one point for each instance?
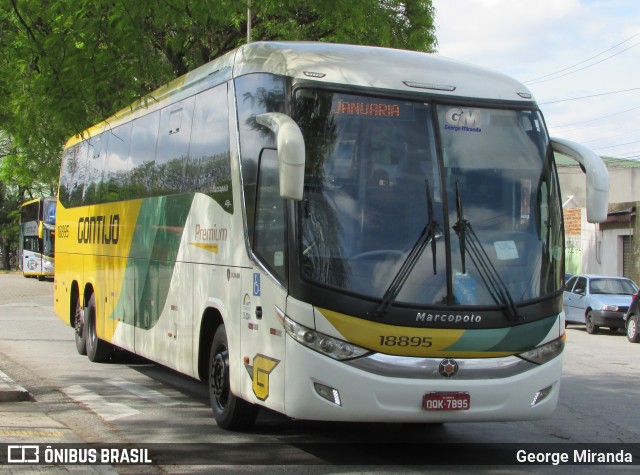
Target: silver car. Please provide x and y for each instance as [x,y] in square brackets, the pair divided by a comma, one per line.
[598,301]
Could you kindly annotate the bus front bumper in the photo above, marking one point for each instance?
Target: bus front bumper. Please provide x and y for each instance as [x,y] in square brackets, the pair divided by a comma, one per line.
[384,389]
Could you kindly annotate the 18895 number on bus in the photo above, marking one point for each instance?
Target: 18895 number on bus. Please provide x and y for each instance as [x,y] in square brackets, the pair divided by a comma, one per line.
[404,340]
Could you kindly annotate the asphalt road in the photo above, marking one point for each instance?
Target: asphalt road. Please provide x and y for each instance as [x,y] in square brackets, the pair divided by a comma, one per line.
[134,401]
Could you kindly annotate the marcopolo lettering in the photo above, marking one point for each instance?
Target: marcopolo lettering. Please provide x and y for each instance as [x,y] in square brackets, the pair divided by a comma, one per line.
[447,318]
[99,229]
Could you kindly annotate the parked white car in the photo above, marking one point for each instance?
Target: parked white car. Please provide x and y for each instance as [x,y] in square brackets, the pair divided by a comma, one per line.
[598,301]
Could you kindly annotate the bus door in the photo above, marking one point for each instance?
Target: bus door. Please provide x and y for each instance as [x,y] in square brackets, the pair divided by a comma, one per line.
[31,255]
[263,338]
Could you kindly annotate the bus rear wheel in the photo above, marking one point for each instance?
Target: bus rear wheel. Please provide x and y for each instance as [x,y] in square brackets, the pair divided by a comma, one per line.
[78,325]
[229,411]
[98,350]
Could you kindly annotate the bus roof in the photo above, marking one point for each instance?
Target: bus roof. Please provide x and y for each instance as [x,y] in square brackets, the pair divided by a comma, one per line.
[365,66]
[37,200]
[381,68]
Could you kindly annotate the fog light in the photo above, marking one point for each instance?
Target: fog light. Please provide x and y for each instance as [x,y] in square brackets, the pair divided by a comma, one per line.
[541,395]
[330,394]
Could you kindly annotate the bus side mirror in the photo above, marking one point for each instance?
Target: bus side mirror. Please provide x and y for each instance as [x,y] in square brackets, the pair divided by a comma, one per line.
[597,177]
[40,230]
[291,155]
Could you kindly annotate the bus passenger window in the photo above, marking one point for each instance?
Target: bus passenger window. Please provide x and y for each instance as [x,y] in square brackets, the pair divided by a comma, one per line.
[73,173]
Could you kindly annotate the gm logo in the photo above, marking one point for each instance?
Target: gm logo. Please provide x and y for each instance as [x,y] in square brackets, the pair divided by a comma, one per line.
[463,117]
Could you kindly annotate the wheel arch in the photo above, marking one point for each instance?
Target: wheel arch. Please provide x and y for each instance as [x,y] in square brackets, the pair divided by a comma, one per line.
[75,294]
[88,290]
[211,320]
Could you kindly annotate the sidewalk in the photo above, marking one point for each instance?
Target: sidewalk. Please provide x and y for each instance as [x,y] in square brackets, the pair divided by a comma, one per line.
[23,421]
[10,391]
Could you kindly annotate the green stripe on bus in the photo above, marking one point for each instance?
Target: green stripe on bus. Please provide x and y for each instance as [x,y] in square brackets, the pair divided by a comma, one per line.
[512,339]
[152,258]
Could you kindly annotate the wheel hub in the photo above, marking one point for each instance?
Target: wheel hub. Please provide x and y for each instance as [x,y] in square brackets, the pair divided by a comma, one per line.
[78,323]
[219,372]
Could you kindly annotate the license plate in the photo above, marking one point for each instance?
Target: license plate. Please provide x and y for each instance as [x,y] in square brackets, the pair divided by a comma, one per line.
[446,401]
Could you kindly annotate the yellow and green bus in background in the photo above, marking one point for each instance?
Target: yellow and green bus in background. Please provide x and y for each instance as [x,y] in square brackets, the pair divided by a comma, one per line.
[332,232]
[36,242]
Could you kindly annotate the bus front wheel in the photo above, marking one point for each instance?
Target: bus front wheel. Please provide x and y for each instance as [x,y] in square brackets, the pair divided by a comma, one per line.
[229,411]
[98,350]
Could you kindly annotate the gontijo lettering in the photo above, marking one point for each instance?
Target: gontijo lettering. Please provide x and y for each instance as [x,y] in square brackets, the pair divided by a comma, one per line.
[99,229]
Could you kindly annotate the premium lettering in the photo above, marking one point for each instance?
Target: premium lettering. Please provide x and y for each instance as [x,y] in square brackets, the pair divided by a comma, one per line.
[210,234]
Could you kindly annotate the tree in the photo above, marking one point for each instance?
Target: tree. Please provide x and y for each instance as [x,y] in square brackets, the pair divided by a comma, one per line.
[9,218]
[65,64]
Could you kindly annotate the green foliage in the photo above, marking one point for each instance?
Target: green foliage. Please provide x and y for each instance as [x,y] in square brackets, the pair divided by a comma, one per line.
[9,219]
[66,64]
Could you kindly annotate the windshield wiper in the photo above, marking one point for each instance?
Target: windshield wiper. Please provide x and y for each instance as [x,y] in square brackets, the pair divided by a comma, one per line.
[488,273]
[427,236]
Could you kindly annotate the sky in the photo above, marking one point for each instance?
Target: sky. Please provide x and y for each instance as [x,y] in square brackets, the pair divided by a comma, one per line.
[563,51]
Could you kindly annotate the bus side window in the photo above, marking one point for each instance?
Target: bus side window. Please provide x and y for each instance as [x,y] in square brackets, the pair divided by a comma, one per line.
[209,166]
[173,147]
[72,176]
[255,94]
[143,178]
[118,165]
[269,230]
[95,169]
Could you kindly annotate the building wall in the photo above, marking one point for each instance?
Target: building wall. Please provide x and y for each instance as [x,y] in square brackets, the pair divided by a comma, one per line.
[598,248]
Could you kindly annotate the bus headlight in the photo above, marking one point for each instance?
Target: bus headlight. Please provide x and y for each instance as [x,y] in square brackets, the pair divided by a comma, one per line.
[47,265]
[546,352]
[333,347]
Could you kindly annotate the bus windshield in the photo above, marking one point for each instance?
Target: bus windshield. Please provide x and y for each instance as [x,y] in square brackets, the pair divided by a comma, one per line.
[380,171]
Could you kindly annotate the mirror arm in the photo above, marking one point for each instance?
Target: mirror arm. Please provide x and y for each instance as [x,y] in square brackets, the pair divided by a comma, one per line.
[291,152]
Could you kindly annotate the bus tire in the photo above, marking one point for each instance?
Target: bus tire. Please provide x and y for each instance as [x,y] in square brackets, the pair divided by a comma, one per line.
[229,411]
[98,350]
[78,325]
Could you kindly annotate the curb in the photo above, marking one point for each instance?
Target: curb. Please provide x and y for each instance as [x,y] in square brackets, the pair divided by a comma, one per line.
[10,391]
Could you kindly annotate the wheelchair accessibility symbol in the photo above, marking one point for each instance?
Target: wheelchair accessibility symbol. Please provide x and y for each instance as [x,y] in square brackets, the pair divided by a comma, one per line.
[256,284]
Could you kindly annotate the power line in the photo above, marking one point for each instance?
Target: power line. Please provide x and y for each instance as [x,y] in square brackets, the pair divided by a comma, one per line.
[587,97]
[618,145]
[597,118]
[634,155]
[538,79]
[585,67]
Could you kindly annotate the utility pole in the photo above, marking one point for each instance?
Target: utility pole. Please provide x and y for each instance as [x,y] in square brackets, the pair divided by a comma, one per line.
[248,21]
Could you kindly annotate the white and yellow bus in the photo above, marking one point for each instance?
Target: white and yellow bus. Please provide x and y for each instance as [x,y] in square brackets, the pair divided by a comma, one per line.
[36,243]
[332,232]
